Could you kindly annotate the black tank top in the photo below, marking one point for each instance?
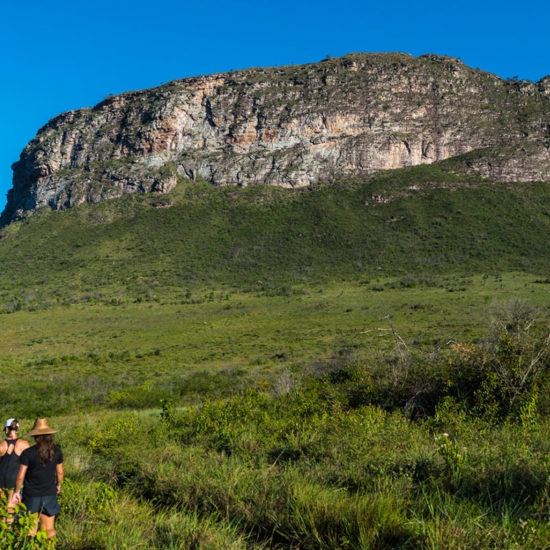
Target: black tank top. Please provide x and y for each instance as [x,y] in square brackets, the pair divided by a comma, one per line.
[9,466]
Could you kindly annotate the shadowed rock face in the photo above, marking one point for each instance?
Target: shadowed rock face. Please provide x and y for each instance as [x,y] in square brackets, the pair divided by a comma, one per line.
[288,126]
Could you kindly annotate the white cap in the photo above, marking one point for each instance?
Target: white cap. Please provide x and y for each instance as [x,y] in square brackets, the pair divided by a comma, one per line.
[8,422]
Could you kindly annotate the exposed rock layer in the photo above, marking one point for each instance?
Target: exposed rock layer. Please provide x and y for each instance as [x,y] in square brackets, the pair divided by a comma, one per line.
[288,126]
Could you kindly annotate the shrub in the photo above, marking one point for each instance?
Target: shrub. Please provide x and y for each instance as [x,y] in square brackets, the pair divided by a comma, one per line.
[15,536]
[499,378]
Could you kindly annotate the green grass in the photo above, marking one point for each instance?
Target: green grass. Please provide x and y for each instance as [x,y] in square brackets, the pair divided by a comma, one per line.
[82,356]
[264,368]
[303,470]
[282,421]
[412,221]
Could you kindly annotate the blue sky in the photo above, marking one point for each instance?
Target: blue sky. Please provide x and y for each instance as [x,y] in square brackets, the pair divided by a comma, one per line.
[62,55]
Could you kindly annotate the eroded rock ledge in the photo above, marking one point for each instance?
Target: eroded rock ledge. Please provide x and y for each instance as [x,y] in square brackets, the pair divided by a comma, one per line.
[287,126]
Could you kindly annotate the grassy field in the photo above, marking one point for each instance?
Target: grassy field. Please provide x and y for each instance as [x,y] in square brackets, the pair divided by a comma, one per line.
[81,357]
[263,368]
[282,420]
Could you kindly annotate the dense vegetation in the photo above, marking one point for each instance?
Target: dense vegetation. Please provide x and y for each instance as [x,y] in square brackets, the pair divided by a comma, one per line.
[421,447]
[361,367]
[422,220]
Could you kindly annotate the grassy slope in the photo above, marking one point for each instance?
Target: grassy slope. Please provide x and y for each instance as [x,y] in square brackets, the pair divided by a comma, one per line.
[427,222]
[208,288]
[122,304]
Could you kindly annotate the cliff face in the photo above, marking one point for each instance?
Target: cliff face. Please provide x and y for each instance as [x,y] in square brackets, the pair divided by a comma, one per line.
[288,126]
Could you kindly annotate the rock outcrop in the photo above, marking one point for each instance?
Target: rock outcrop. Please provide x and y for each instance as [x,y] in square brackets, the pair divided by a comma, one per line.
[288,126]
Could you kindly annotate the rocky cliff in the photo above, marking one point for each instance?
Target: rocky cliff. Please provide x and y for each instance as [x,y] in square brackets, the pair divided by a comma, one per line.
[288,126]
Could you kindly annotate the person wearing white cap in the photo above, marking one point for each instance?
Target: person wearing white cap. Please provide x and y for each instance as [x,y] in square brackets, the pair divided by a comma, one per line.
[10,456]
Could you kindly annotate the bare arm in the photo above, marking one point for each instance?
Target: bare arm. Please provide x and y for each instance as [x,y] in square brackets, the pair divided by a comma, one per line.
[3,448]
[20,478]
[16,497]
[59,472]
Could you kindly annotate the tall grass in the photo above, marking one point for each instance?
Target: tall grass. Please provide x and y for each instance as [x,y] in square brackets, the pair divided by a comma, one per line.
[312,469]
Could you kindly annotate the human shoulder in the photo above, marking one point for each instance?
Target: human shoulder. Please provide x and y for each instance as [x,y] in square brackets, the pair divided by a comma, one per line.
[21,446]
[3,447]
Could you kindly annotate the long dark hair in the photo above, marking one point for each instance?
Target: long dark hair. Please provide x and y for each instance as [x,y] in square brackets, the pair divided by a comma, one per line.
[45,447]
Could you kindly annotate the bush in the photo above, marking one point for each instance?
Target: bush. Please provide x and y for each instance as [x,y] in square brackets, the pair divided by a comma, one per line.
[15,536]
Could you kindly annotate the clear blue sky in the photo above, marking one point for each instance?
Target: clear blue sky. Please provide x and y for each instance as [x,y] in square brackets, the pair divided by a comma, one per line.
[61,55]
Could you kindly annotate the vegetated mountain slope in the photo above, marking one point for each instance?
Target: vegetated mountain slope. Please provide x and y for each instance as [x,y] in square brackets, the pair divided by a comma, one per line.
[413,220]
[288,126]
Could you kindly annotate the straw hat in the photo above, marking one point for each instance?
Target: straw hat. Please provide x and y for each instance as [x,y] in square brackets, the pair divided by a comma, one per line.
[41,428]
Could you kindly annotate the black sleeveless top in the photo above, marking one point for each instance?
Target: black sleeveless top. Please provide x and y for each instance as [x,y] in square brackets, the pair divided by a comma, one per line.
[9,466]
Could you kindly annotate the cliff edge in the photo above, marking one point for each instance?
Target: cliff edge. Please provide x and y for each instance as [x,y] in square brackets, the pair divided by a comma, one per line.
[288,126]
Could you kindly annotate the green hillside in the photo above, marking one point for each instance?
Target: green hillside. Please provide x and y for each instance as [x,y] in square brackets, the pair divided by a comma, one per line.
[361,366]
[420,220]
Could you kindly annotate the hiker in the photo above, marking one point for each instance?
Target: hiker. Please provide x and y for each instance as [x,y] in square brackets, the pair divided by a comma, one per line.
[10,456]
[42,471]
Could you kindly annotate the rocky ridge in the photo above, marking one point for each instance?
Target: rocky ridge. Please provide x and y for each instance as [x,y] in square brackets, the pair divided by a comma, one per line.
[288,126]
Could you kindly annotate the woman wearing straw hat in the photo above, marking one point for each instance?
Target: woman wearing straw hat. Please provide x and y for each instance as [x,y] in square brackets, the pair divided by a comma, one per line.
[10,455]
[42,471]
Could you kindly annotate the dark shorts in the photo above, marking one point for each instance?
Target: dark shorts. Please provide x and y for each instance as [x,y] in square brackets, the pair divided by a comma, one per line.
[42,505]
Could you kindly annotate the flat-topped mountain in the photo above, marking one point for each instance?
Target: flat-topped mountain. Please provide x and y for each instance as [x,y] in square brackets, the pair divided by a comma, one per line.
[288,126]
